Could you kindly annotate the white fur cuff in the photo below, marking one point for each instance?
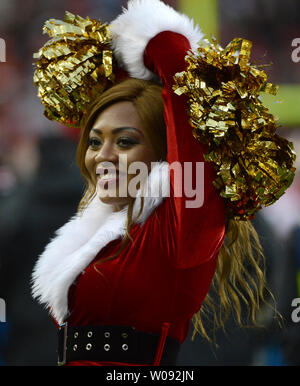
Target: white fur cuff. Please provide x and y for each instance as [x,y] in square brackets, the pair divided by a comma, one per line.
[138,24]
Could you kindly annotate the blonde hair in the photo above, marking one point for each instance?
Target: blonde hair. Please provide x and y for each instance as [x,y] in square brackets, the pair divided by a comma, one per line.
[240,274]
[239,282]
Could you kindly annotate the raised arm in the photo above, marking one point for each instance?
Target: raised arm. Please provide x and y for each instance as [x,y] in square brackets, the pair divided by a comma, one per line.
[155,45]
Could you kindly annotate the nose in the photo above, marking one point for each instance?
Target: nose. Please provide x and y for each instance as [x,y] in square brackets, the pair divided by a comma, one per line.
[107,152]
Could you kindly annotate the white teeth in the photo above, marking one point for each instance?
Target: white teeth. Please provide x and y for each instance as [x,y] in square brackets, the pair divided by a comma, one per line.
[108,176]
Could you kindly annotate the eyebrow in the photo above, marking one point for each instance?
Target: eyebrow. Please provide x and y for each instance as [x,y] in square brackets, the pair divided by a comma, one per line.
[118,129]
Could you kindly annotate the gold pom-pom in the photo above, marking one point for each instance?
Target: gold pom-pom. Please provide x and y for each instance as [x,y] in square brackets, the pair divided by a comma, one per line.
[72,67]
[254,165]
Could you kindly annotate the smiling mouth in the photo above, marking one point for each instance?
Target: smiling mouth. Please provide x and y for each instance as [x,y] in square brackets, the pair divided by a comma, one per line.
[106,177]
[107,183]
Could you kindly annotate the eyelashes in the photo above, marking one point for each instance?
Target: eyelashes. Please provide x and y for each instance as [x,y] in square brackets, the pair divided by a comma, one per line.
[123,142]
[93,142]
[126,142]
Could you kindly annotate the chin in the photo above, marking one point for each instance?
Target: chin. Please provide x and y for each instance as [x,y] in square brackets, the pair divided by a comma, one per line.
[117,203]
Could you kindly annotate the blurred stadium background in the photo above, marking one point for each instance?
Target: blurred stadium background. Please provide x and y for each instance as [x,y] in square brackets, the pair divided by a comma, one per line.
[40,184]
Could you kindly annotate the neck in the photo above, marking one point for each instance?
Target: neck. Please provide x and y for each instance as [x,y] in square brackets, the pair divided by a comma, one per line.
[117,208]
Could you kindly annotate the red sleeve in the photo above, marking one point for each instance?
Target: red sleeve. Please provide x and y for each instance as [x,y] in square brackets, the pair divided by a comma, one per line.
[199,231]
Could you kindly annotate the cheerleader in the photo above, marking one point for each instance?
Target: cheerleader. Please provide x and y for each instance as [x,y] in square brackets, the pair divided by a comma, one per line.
[126,276]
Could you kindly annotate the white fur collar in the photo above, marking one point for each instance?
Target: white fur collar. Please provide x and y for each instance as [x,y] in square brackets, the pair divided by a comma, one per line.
[138,24]
[77,243]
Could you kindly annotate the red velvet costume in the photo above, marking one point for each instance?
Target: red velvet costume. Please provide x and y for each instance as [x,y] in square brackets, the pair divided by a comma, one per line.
[165,274]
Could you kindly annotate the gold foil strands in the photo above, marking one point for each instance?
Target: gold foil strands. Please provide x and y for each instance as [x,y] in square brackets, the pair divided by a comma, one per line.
[254,165]
[72,67]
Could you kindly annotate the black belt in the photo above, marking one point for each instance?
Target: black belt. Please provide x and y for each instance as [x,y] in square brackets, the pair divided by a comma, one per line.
[113,344]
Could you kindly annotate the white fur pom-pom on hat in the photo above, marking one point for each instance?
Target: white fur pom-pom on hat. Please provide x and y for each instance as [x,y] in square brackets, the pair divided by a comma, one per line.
[138,24]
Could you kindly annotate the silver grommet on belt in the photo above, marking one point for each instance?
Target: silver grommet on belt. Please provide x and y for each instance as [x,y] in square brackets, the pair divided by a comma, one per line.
[125,347]
[76,335]
[89,334]
[88,346]
[124,335]
[75,347]
[106,347]
[107,334]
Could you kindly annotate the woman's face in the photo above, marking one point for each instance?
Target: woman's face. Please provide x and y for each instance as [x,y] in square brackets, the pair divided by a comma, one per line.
[116,140]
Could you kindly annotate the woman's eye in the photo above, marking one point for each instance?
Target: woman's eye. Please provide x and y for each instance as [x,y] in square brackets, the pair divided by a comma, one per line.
[126,142]
[94,142]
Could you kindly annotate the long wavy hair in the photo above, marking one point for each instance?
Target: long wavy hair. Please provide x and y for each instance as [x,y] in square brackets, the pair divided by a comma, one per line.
[240,275]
